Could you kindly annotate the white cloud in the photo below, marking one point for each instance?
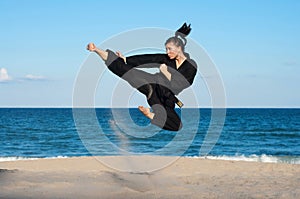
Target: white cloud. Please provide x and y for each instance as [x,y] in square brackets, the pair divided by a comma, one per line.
[34,77]
[4,77]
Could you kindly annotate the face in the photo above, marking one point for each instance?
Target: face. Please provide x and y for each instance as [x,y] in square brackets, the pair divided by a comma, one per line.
[172,50]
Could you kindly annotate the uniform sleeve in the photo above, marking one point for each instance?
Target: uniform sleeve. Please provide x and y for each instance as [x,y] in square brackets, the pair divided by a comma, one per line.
[184,79]
[147,60]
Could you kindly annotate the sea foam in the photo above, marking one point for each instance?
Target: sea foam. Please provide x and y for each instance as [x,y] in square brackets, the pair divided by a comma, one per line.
[9,159]
[256,158]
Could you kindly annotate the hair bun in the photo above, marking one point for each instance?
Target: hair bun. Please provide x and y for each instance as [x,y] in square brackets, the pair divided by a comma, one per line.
[184,30]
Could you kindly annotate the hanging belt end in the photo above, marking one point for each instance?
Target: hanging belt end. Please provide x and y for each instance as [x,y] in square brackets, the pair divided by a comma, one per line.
[179,103]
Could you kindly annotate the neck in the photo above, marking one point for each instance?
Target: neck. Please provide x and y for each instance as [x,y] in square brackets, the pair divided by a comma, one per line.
[180,57]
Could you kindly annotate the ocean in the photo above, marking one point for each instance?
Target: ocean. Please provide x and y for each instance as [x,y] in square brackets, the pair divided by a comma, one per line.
[261,135]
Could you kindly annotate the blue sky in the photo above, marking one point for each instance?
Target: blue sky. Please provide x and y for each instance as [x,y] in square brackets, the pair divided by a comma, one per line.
[255,45]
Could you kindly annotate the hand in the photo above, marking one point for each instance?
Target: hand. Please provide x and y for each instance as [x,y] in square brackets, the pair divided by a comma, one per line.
[119,54]
[91,47]
[163,68]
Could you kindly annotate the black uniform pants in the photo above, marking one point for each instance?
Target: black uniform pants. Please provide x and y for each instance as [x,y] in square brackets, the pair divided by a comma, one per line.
[158,96]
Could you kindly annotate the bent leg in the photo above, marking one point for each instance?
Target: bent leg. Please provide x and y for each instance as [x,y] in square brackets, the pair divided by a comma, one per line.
[173,122]
[167,119]
[164,115]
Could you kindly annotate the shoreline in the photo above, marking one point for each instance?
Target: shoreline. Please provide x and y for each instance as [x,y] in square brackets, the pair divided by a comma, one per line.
[238,158]
[79,177]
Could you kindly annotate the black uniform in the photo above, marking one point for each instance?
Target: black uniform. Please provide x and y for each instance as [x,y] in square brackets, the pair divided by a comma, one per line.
[160,91]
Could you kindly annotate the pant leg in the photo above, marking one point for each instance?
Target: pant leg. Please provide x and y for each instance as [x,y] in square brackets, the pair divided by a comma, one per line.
[165,116]
[173,122]
[116,64]
[136,78]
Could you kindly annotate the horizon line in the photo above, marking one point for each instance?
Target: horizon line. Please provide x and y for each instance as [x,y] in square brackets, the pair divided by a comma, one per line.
[229,107]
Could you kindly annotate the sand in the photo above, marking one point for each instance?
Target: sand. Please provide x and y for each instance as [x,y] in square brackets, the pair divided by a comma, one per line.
[86,177]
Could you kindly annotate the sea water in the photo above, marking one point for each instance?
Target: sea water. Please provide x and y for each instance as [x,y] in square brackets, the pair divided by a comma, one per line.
[262,135]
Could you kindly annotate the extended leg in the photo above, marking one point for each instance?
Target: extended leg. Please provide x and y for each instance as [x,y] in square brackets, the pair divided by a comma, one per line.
[136,78]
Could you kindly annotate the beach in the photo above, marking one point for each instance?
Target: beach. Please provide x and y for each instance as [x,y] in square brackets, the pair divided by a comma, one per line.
[87,177]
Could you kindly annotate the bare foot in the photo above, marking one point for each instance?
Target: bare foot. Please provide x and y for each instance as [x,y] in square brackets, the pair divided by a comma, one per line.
[146,112]
[93,48]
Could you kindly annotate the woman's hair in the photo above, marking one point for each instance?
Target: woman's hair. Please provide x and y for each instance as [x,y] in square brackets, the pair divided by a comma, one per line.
[179,38]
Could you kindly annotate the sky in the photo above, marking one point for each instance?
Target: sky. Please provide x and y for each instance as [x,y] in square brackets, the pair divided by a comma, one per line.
[254,44]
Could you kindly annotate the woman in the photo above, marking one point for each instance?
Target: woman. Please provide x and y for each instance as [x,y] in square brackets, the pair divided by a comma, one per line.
[177,72]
